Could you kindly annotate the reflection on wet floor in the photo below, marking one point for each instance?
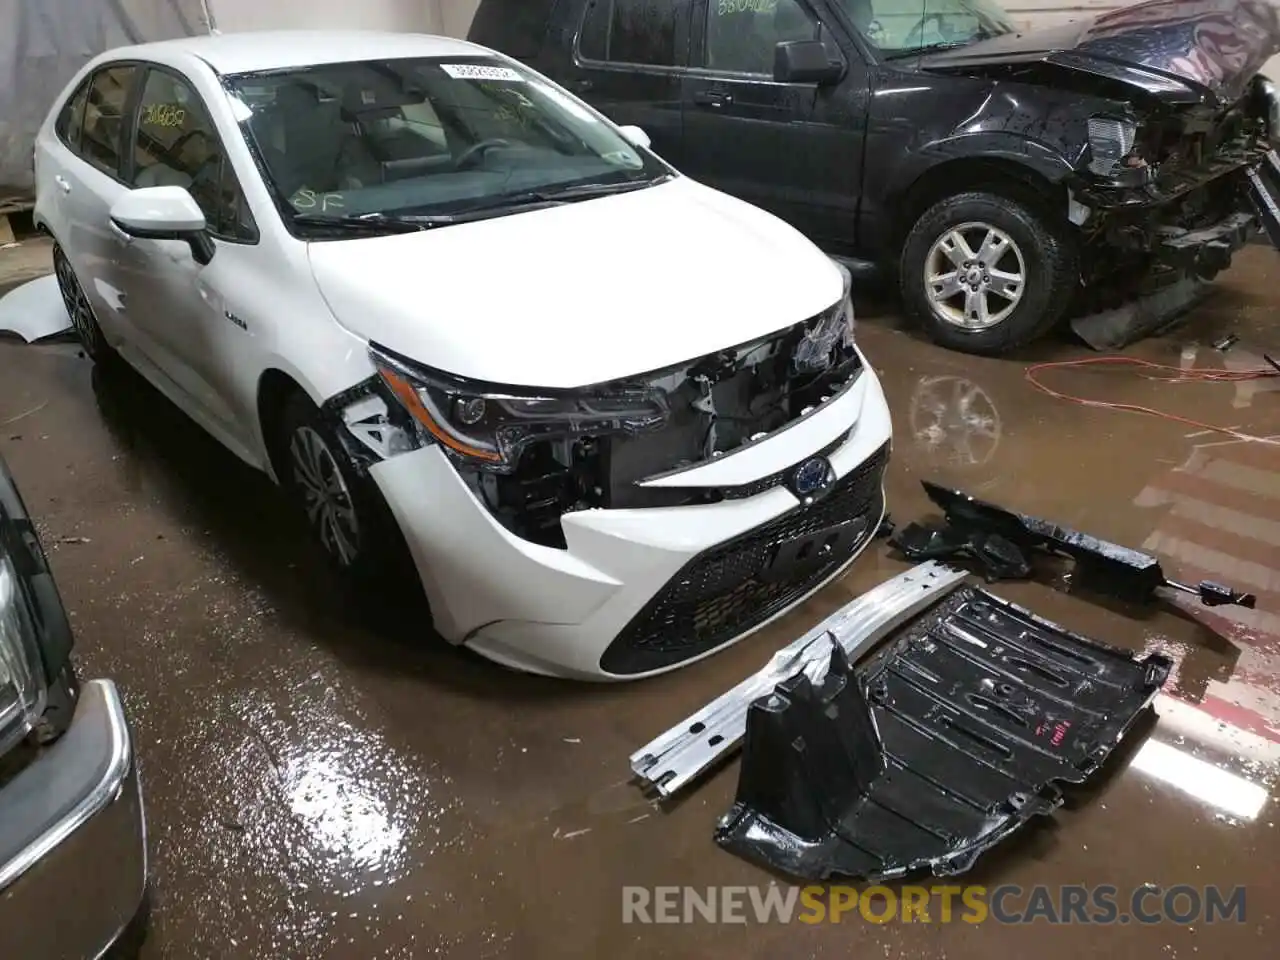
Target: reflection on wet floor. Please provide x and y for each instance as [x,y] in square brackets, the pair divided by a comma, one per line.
[327,781]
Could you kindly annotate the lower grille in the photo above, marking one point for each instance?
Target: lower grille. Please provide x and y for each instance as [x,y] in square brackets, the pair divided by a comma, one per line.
[731,587]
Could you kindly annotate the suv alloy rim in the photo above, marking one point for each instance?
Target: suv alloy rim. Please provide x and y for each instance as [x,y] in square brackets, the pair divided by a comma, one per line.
[974,275]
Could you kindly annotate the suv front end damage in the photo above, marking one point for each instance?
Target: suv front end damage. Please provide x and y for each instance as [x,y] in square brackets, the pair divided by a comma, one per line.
[625,528]
[1162,203]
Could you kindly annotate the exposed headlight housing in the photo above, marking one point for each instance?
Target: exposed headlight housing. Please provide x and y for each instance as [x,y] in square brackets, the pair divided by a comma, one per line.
[1270,95]
[22,681]
[488,426]
[1111,142]
[835,328]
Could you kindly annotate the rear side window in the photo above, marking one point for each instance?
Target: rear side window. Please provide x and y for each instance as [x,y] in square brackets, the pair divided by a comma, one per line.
[642,32]
[71,118]
[104,113]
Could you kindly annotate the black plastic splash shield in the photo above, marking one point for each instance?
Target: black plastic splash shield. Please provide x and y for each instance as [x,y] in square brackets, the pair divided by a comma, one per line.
[959,733]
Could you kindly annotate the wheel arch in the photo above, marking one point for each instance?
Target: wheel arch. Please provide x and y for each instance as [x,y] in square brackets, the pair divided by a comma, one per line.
[1037,176]
[276,387]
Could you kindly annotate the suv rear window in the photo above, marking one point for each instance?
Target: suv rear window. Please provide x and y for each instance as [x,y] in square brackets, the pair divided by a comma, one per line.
[642,32]
[515,27]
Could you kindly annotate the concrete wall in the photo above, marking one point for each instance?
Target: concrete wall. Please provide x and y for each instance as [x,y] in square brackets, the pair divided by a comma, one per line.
[421,16]
[450,17]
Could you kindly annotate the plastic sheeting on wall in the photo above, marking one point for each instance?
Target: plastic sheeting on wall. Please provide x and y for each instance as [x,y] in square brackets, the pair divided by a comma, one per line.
[43,44]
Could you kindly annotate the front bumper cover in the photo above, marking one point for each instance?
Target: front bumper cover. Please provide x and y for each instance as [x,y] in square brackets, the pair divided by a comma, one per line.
[73,854]
[956,736]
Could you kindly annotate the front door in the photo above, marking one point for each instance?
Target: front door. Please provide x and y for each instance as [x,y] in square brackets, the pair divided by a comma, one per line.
[794,149]
[628,58]
[183,312]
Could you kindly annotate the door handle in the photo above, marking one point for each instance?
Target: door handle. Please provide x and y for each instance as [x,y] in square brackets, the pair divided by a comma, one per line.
[715,99]
[63,183]
[123,237]
[582,86]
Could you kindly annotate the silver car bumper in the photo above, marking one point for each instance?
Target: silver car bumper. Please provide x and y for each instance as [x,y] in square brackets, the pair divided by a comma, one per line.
[73,850]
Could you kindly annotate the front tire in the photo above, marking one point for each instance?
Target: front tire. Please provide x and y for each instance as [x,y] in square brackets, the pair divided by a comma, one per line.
[984,273]
[80,310]
[343,510]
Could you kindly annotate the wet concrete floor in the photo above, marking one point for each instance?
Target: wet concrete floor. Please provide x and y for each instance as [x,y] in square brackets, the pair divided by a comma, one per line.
[326,782]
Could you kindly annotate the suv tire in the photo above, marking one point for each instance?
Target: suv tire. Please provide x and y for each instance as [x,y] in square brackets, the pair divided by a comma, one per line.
[984,273]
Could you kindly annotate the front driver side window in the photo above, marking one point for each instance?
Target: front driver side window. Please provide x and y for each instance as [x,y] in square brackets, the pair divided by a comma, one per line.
[177,145]
[742,34]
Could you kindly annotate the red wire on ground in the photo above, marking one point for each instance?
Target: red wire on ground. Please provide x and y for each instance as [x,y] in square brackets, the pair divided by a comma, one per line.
[1180,375]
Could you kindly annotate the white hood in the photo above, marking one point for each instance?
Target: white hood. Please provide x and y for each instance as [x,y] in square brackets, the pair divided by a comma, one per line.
[580,293]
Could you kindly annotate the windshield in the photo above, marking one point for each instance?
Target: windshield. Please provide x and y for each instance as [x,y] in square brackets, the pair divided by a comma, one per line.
[902,26]
[426,137]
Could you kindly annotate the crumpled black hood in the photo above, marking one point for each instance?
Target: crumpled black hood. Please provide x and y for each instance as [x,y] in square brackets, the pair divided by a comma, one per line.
[1179,50]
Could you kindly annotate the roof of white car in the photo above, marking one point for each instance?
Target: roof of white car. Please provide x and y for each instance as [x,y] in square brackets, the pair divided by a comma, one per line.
[283,49]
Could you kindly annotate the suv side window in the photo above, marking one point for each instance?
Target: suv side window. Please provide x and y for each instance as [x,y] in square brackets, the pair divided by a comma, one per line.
[176,144]
[629,31]
[104,111]
[71,118]
[742,34]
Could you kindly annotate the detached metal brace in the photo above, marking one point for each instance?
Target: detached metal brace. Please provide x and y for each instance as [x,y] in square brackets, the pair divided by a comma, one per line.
[691,746]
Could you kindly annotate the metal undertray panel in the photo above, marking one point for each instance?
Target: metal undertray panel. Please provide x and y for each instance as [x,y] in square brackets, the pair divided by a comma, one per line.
[691,746]
[936,749]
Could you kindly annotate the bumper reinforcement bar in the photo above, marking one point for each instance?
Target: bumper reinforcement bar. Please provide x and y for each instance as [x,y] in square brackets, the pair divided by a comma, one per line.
[687,749]
[935,749]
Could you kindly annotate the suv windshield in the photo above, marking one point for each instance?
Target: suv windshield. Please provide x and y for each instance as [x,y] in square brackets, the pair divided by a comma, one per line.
[427,137]
[899,27]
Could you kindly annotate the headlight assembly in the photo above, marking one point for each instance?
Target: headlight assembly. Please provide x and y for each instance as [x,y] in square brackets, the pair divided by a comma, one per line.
[22,682]
[1111,142]
[488,427]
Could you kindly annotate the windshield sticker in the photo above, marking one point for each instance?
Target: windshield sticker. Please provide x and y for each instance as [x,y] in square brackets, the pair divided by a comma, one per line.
[725,8]
[306,199]
[475,71]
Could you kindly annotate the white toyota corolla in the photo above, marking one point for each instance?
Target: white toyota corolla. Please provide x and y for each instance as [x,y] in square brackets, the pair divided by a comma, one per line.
[617,418]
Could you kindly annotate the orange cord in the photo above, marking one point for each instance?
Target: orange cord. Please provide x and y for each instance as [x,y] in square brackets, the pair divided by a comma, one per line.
[1182,375]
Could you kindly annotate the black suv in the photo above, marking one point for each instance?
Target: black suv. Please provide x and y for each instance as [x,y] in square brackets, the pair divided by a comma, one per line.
[1006,175]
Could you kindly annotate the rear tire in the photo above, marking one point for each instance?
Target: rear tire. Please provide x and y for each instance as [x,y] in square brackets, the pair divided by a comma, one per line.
[80,310]
[984,273]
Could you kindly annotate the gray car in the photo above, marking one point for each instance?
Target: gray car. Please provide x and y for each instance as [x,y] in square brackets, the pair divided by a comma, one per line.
[73,853]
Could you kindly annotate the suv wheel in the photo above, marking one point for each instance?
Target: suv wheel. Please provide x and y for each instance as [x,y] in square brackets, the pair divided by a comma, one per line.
[983,273]
[80,310]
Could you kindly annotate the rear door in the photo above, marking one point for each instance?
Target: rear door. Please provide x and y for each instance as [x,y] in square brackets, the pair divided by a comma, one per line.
[794,149]
[628,60]
[90,180]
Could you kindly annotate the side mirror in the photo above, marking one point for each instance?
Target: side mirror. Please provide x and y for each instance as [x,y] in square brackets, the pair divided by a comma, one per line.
[636,136]
[804,61]
[164,213]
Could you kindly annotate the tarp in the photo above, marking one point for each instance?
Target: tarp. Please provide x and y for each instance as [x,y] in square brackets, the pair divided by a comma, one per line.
[44,42]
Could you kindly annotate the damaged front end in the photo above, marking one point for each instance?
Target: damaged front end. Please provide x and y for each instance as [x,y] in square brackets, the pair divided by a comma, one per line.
[532,455]
[1163,201]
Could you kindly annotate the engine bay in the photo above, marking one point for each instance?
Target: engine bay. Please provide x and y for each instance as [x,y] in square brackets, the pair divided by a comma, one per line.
[717,404]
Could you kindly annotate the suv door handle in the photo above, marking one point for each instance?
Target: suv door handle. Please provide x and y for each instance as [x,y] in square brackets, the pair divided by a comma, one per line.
[581,86]
[715,99]
[63,183]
